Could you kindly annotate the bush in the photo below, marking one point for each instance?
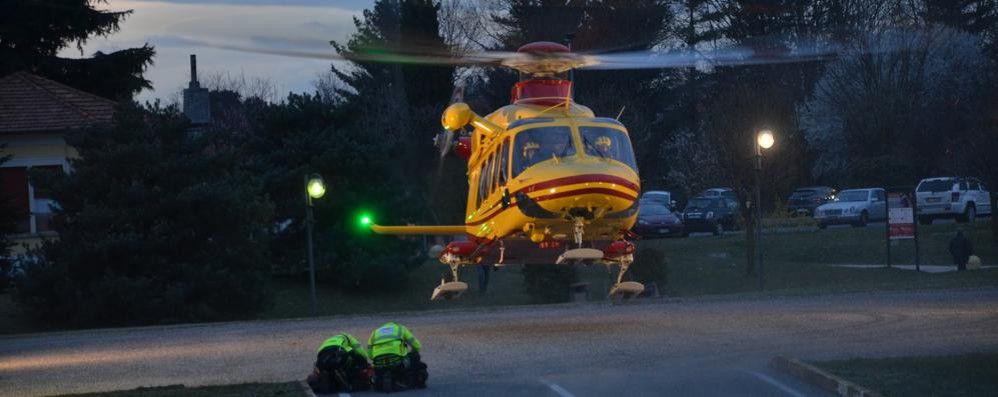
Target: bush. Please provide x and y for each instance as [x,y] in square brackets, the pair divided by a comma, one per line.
[157,224]
[549,283]
[650,267]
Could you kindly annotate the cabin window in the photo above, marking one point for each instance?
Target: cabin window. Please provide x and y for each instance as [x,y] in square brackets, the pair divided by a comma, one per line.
[534,145]
[488,173]
[481,186]
[608,143]
[503,162]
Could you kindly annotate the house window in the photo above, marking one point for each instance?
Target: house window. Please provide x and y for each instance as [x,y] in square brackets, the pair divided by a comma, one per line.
[33,205]
[42,202]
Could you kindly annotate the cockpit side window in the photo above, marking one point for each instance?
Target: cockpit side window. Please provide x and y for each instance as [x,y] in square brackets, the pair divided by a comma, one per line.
[534,145]
[608,143]
[503,164]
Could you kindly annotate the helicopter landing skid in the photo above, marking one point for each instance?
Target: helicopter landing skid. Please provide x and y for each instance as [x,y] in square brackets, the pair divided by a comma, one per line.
[580,255]
[452,289]
[626,290]
[449,290]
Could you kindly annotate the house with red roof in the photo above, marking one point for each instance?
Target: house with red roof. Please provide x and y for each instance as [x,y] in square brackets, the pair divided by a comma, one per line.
[35,113]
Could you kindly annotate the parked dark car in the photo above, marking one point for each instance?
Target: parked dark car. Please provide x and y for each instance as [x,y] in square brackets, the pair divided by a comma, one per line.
[657,220]
[803,201]
[711,214]
[660,196]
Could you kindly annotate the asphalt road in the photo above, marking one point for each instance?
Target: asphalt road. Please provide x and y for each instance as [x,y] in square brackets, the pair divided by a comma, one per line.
[696,347]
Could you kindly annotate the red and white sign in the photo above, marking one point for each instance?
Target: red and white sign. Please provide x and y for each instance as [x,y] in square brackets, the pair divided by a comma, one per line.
[901,224]
[900,218]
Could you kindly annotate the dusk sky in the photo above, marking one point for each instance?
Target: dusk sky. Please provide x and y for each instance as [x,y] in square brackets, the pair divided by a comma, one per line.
[170,26]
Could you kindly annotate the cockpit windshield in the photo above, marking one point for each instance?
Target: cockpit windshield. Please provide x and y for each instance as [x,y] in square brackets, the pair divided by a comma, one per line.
[534,145]
[608,143]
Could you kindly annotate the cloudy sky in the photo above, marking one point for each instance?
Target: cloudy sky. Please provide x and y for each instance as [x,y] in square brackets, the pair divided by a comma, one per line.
[172,25]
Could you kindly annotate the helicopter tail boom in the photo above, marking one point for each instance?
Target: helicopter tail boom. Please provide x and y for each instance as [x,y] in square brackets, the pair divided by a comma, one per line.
[420,230]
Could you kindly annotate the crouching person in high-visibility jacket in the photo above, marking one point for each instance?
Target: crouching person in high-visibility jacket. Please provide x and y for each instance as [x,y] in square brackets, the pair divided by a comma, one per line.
[395,354]
[342,365]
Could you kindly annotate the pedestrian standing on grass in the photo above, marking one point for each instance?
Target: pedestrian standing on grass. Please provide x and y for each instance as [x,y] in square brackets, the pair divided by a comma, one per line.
[961,249]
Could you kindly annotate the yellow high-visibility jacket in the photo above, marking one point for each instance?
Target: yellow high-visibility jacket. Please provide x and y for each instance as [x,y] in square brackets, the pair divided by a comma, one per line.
[347,342]
[392,338]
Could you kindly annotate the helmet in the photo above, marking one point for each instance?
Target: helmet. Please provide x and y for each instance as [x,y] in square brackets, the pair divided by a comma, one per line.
[530,147]
[604,142]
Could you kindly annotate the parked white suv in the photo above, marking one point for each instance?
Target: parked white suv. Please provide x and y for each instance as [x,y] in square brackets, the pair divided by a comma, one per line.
[951,197]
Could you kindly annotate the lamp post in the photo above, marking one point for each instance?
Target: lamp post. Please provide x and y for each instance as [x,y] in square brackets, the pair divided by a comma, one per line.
[764,140]
[314,189]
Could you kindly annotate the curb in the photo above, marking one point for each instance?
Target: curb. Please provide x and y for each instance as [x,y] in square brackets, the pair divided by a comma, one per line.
[818,377]
[307,389]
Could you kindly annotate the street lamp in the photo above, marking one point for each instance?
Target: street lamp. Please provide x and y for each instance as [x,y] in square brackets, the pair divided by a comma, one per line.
[314,188]
[764,140]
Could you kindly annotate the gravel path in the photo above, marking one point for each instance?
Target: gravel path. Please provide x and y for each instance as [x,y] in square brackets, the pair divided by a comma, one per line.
[714,346]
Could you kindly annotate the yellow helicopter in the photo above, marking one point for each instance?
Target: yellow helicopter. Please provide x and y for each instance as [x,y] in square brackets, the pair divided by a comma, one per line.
[549,181]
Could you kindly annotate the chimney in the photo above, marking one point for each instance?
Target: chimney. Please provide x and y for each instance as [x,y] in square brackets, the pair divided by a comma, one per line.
[197,106]
[194,72]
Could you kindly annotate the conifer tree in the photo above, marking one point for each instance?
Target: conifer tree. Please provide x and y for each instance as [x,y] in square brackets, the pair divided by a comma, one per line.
[33,32]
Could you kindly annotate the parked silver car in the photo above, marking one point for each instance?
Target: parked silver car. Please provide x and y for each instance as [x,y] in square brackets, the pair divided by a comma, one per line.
[853,206]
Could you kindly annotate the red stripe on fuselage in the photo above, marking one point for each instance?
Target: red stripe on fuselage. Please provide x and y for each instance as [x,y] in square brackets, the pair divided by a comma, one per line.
[552,196]
[577,179]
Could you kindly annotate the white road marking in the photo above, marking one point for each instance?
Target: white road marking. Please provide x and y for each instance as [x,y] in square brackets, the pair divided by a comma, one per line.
[557,389]
[789,390]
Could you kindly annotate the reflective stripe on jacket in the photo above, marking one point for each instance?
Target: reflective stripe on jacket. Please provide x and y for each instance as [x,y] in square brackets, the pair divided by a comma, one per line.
[392,338]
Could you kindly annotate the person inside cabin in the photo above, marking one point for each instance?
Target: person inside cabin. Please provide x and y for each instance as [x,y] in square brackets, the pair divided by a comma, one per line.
[604,144]
[530,149]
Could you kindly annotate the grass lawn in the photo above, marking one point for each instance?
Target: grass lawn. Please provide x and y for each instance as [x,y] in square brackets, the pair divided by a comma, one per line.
[798,263]
[795,263]
[955,376]
[287,389]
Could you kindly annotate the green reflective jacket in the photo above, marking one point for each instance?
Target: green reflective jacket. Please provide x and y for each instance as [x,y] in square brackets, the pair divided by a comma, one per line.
[347,342]
[392,338]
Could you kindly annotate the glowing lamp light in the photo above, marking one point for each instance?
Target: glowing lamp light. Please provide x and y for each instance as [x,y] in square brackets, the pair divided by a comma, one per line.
[316,187]
[765,139]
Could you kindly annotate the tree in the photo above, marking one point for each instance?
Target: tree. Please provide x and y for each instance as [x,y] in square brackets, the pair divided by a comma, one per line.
[402,103]
[302,135]
[890,111]
[156,223]
[752,98]
[33,32]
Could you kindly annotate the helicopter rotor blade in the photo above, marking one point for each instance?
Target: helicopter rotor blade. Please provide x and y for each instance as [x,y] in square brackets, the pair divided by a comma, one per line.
[445,140]
[558,62]
[734,56]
